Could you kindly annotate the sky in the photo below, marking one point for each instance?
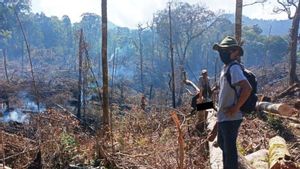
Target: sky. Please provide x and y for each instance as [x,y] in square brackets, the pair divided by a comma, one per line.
[130,13]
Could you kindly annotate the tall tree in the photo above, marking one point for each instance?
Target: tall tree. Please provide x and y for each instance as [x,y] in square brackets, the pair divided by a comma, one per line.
[80,48]
[189,22]
[172,58]
[105,67]
[239,15]
[238,20]
[286,6]
[140,48]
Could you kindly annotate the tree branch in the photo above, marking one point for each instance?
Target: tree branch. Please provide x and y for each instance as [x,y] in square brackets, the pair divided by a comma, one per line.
[255,2]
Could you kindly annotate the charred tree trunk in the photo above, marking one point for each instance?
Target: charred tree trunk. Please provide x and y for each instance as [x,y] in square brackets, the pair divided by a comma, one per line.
[84,85]
[93,73]
[172,59]
[293,47]
[141,57]
[30,61]
[6,97]
[5,64]
[238,20]
[113,73]
[80,75]
[105,68]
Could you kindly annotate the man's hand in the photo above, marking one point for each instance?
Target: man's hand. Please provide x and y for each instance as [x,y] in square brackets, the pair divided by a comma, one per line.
[231,111]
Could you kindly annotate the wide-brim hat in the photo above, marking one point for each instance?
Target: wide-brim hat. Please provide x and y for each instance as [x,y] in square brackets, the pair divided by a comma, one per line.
[228,42]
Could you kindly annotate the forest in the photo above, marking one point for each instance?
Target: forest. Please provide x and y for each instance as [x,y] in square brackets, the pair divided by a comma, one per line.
[92,94]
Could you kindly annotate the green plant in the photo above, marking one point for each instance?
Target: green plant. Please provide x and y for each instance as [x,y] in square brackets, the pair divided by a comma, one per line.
[275,123]
[68,142]
[68,146]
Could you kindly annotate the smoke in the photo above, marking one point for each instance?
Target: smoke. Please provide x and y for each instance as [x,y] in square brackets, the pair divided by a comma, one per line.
[15,115]
[29,104]
[32,106]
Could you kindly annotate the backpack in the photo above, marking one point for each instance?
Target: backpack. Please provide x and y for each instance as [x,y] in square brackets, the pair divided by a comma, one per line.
[249,105]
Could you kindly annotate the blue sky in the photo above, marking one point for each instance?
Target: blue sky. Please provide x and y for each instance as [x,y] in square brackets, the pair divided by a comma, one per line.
[130,13]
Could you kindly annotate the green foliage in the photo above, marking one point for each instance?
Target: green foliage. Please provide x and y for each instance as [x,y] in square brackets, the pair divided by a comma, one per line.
[275,123]
[67,150]
[68,142]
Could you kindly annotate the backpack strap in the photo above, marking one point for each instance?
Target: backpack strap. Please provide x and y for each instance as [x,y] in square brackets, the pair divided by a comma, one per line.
[228,76]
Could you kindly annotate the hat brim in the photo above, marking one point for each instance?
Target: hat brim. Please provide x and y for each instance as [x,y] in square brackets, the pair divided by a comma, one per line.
[218,47]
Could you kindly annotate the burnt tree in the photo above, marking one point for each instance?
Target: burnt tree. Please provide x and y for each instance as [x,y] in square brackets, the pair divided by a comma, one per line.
[105,67]
[286,6]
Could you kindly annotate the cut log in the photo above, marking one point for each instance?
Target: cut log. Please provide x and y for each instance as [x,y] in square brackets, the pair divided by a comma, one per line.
[294,125]
[279,156]
[243,163]
[277,108]
[259,159]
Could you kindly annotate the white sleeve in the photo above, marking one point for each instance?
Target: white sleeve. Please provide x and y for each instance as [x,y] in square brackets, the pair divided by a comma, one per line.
[236,74]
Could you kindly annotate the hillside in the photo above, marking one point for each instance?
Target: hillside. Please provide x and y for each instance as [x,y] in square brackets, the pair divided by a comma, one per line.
[279,27]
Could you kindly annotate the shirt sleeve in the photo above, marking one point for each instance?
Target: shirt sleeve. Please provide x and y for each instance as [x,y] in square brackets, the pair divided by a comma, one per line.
[236,74]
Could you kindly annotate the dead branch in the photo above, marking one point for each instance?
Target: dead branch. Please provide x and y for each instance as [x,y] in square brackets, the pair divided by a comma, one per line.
[286,92]
[255,2]
[180,140]
[284,117]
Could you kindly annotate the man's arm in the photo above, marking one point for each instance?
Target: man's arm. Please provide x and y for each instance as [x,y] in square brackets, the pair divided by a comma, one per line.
[245,93]
[190,83]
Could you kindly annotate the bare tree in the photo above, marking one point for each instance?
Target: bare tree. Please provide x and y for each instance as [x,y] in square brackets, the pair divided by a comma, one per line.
[172,58]
[30,61]
[80,74]
[286,6]
[139,47]
[5,64]
[238,17]
[238,20]
[105,105]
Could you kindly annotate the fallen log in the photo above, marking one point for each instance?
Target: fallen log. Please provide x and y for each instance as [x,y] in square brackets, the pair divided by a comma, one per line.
[284,117]
[288,91]
[259,159]
[243,163]
[279,156]
[277,108]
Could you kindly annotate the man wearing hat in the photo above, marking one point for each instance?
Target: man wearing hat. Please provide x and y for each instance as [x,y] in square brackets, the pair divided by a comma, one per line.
[229,116]
[204,86]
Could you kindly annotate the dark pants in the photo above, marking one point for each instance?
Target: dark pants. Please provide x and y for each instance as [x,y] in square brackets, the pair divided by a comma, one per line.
[227,135]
